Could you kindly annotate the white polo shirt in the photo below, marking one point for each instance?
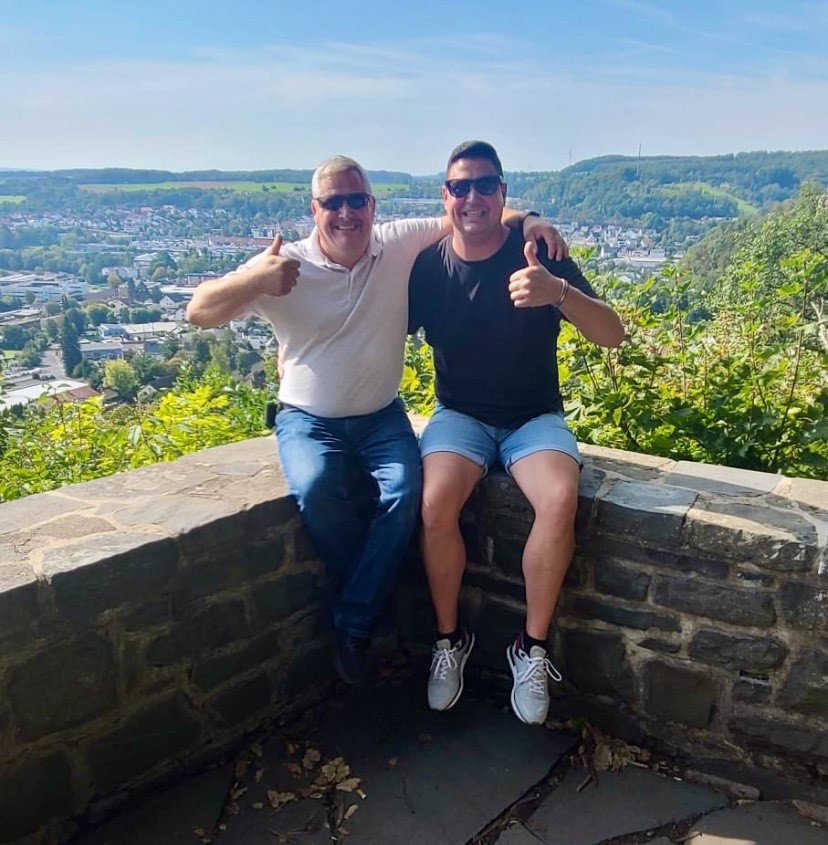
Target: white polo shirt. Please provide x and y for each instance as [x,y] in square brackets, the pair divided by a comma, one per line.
[342,332]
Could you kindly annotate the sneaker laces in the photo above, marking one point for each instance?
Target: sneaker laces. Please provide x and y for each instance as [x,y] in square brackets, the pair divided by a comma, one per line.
[442,661]
[535,673]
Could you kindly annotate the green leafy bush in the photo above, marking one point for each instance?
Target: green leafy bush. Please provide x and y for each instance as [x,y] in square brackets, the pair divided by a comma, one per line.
[56,443]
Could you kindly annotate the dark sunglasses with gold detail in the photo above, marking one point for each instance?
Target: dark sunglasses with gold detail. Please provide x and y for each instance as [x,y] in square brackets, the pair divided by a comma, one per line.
[355,201]
[485,185]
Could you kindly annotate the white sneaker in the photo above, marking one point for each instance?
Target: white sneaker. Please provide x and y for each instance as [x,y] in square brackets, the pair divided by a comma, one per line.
[530,693]
[445,679]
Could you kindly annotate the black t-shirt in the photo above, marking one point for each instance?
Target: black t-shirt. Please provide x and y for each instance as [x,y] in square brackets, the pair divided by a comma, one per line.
[493,361]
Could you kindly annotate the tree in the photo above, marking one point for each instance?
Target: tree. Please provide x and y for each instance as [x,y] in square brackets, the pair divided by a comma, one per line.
[121,377]
[170,346]
[99,313]
[70,347]
[78,317]
[16,337]
[145,315]
[146,367]
[30,356]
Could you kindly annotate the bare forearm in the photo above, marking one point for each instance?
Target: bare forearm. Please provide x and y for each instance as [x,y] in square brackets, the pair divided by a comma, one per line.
[596,320]
[218,301]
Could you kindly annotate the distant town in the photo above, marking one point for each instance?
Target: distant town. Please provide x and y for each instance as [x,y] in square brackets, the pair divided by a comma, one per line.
[135,309]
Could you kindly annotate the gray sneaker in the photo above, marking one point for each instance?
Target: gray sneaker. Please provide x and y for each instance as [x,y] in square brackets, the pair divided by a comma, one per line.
[530,693]
[445,679]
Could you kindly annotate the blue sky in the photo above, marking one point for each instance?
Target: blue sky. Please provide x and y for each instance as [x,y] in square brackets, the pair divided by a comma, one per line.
[255,84]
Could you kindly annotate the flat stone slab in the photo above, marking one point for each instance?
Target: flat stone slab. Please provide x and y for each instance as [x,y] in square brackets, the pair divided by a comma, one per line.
[712,478]
[426,777]
[171,816]
[517,834]
[630,801]
[762,823]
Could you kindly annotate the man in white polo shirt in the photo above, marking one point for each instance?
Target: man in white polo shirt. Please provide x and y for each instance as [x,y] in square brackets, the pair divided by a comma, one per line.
[337,302]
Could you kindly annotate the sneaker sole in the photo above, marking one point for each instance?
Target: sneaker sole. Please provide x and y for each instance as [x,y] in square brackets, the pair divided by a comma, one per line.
[460,688]
[515,709]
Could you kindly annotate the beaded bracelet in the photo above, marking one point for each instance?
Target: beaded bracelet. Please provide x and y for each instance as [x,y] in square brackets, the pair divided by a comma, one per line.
[564,292]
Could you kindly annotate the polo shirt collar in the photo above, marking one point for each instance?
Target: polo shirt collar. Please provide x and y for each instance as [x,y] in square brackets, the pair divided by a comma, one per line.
[316,256]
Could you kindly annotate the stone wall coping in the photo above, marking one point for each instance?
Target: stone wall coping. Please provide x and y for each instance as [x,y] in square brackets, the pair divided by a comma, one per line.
[170,499]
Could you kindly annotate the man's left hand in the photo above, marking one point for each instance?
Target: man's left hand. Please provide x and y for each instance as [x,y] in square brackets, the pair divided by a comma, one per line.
[540,229]
[534,285]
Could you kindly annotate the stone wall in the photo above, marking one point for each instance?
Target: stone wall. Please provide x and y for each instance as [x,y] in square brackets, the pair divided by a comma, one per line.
[150,620]
[695,612]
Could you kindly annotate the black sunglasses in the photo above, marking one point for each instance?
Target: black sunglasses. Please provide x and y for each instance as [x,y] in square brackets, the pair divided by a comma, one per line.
[355,201]
[485,185]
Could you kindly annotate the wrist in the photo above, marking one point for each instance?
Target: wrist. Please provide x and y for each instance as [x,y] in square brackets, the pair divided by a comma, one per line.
[562,295]
[526,215]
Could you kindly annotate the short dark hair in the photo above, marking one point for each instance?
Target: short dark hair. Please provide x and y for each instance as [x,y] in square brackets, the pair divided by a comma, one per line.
[475,149]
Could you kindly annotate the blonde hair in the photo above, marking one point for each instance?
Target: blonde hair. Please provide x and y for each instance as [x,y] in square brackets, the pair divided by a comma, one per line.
[334,165]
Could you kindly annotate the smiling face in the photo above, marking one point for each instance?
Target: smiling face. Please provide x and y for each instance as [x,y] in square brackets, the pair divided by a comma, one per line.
[475,217]
[344,235]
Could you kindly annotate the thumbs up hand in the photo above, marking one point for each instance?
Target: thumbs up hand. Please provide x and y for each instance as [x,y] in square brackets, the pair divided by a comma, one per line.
[274,274]
[275,247]
[530,251]
[533,285]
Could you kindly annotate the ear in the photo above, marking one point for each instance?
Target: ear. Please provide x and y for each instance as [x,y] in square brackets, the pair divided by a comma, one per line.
[444,192]
[503,191]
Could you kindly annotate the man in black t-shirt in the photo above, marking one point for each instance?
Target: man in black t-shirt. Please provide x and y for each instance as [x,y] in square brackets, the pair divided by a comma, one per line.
[491,308]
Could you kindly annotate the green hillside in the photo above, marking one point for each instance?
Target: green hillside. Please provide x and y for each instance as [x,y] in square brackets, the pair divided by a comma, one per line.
[655,191]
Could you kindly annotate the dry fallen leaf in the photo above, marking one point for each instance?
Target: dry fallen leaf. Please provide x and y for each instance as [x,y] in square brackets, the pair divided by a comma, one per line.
[348,785]
[334,771]
[259,775]
[311,758]
[279,799]
[393,762]
[350,811]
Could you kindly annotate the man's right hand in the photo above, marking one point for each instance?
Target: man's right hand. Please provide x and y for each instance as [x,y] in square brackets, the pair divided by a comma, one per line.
[276,275]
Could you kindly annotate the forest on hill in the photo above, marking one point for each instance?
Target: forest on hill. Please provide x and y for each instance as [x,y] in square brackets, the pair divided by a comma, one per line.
[651,191]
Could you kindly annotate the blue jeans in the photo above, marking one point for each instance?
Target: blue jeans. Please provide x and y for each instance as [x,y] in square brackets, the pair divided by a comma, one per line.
[327,462]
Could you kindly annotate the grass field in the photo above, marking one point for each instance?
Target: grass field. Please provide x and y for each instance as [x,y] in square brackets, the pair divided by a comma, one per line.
[8,198]
[237,187]
[706,188]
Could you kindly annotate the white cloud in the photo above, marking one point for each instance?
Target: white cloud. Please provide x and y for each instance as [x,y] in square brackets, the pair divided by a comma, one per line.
[394,106]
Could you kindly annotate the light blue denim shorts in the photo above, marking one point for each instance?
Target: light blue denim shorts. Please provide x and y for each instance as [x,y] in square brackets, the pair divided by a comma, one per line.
[488,445]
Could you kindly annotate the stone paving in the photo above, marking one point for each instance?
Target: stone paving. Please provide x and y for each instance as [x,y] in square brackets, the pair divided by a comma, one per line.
[375,767]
